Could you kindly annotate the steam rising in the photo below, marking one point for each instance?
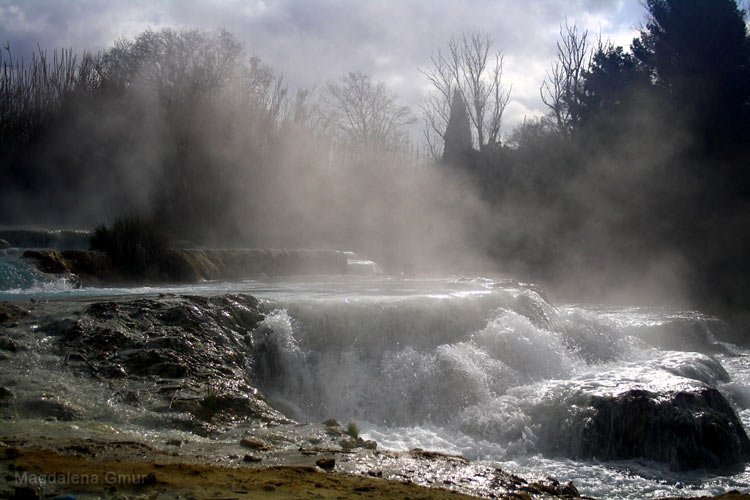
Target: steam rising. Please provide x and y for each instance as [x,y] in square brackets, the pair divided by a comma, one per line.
[185,126]
[608,202]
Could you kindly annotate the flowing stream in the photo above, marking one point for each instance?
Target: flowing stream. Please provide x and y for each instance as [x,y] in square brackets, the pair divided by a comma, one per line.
[482,368]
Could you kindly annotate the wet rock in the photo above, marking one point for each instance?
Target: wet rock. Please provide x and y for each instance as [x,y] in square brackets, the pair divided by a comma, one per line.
[687,429]
[79,266]
[69,328]
[8,344]
[213,407]
[163,363]
[553,487]
[6,394]
[48,407]
[434,455]
[326,463]
[368,444]
[178,316]
[251,459]
[113,371]
[254,444]
[332,428]
[188,359]
[10,313]
[90,265]
[535,308]
[128,397]
[103,310]
[74,357]
[77,449]
[4,244]
[348,443]
[187,337]
[47,261]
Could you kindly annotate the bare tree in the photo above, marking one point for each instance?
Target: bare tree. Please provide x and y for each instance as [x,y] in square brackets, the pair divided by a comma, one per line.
[29,93]
[177,64]
[562,90]
[262,90]
[363,114]
[472,69]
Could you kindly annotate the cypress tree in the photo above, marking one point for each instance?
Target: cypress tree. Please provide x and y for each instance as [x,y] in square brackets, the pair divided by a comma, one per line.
[458,132]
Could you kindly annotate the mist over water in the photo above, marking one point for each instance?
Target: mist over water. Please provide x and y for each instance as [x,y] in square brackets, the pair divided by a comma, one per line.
[239,163]
[607,198]
[627,203]
[489,370]
[490,373]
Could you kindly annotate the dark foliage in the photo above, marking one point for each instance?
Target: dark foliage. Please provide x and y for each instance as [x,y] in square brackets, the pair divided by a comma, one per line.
[698,53]
[649,186]
[138,246]
[639,178]
[614,83]
[457,136]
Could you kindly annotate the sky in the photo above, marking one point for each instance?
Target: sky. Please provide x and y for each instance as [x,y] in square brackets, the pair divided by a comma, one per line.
[315,41]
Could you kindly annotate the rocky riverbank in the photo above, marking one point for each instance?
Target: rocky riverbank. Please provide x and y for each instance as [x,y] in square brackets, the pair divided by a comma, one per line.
[112,469]
[156,396]
[163,396]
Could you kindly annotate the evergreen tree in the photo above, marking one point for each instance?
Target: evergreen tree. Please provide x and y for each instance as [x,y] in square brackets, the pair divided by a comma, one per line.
[612,81]
[697,52]
[458,132]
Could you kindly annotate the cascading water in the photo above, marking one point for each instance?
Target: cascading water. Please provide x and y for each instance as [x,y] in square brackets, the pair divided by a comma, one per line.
[492,371]
[19,278]
[498,375]
[356,265]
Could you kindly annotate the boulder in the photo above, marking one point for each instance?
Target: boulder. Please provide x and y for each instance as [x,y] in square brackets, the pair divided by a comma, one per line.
[685,430]
[679,421]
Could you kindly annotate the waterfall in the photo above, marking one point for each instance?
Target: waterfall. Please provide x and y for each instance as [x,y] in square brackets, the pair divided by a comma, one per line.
[503,372]
[18,278]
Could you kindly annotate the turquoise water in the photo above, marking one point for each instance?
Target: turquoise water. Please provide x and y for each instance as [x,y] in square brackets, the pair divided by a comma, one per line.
[19,280]
[16,275]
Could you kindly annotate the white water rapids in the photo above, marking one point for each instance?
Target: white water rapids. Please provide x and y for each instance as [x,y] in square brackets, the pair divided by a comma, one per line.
[474,367]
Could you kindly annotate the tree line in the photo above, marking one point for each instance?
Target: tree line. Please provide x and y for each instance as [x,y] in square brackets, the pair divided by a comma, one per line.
[185,129]
[636,176]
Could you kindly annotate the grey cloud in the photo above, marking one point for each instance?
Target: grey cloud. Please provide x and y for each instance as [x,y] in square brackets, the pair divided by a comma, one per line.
[314,41]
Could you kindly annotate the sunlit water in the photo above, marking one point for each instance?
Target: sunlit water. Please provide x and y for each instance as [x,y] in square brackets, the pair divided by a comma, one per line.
[457,365]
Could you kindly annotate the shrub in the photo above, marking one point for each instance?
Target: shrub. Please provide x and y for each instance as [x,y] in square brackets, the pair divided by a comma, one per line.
[352,429]
[209,405]
[138,247]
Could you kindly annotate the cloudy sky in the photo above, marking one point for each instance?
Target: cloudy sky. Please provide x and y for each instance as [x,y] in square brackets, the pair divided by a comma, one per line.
[313,41]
